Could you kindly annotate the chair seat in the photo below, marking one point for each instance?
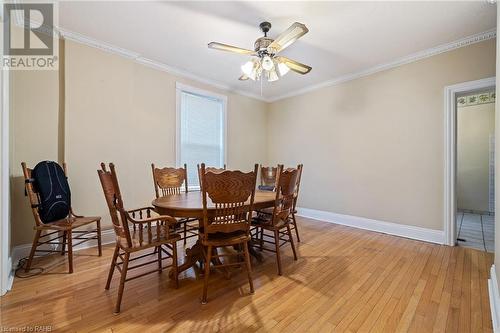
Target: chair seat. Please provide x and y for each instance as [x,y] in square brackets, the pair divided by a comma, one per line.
[69,223]
[223,238]
[149,238]
[186,219]
[267,211]
[266,187]
[265,222]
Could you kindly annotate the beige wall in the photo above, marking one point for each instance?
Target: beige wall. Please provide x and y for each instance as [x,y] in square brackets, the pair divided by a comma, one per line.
[475,127]
[33,138]
[373,147]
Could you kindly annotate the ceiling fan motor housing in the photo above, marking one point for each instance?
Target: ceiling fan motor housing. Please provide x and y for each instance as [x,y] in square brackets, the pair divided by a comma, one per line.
[262,43]
[265,27]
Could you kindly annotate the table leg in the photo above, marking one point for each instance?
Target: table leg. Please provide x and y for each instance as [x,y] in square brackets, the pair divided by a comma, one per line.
[193,254]
[256,254]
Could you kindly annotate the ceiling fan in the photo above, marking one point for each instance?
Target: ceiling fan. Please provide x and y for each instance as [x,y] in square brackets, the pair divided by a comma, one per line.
[265,62]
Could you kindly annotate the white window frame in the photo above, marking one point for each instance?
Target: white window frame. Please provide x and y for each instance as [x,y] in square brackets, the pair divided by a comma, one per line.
[180,88]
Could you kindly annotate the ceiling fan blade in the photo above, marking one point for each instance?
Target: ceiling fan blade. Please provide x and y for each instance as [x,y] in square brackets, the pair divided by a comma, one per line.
[243,77]
[229,48]
[290,35]
[295,65]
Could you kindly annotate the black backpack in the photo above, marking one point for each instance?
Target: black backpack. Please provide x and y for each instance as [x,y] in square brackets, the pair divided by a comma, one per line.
[53,190]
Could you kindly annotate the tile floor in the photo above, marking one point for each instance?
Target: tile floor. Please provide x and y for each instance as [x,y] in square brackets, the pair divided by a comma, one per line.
[476,231]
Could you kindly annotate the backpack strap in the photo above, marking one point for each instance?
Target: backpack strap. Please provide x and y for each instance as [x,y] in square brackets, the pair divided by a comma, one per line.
[28,181]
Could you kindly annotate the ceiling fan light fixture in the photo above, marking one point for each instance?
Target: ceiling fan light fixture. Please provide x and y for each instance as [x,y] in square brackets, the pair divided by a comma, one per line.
[267,63]
[250,69]
[272,75]
[283,68]
[247,68]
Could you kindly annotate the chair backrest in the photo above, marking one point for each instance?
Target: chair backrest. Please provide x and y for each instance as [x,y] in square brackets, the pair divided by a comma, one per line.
[286,184]
[268,176]
[169,181]
[297,187]
[232,194]
[113,197]
[32,193]
[209,169]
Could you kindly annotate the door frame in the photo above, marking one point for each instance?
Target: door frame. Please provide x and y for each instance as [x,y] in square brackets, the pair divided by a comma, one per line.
[450,149]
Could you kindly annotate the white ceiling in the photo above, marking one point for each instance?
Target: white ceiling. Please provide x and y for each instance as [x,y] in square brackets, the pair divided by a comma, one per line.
[343,38]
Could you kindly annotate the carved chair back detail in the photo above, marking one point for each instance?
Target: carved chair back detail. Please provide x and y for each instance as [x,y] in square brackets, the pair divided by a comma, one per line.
[297,187]
[232,193]
[286,184]
[114,201]
[169,181]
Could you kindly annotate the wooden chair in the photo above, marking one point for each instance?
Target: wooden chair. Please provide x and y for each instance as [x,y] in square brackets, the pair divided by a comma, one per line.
[171,181]
[280,218]
[136,230]
[65,226]
[267,178]
[232,193]
[294,209]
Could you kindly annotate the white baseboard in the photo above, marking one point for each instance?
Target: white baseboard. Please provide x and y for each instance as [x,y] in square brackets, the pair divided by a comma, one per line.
[494,299]
[7,285]
[10,281]
[408,231]
[22,251]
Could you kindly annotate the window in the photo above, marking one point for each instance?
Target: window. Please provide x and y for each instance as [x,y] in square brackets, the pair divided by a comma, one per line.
[201,130]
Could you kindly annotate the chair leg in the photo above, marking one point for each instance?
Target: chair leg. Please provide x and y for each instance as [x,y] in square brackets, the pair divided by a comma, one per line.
[63,250]
[33,249]
[112,267]
[159,260]
[291,241]
[185,232]
[295,226]
[70,250]
[261,245]
[277,247]
[122,282]
[207,274]
[217,262]
[175,265]
[99,240]
[249,266]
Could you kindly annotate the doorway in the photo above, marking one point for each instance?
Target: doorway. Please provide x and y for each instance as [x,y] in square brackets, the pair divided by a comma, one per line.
[475,166]
[469,164]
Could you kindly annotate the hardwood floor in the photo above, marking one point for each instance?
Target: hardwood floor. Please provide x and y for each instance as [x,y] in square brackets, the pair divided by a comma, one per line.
[345,280]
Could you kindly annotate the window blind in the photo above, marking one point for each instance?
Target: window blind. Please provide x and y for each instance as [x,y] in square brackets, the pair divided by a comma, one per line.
[201,133]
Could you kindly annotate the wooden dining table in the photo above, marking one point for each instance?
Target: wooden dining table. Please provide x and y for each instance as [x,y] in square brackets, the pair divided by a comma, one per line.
[190,205]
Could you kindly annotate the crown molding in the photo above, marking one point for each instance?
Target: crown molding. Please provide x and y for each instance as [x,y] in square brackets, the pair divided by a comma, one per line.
[82,39]
[482,36]
[186,74]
